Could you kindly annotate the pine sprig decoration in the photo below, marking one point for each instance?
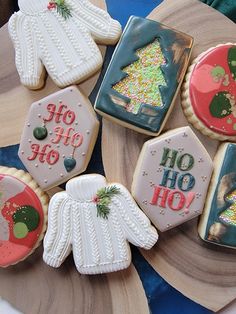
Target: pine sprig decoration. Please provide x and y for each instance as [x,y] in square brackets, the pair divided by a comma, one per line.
[62,8]
[103,199]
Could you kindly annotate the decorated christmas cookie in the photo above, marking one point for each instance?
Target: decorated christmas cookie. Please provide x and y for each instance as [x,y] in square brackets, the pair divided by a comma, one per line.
[218,222]
[23,215]
[144,75]
[58,137]
[171,178]
[209,92]
[59,35]
[95,220]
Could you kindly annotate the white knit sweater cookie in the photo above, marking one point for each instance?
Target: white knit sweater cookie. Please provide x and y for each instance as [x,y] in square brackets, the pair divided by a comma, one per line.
[60,35]
[95,220]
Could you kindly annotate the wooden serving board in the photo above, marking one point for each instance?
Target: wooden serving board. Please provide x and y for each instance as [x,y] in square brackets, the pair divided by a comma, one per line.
[204,273]
[32,286]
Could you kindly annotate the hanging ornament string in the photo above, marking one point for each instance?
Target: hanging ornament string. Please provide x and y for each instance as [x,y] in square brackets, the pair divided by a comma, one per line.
[62,8]
[103,199]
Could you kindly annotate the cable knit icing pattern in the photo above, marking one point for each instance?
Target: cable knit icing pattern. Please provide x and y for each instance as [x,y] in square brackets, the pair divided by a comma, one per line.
[99,244]
[65,47]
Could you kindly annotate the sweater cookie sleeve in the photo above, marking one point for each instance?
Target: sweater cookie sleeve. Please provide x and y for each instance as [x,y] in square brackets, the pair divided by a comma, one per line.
[28,63]
[57,241]
[102,27]
[135,224]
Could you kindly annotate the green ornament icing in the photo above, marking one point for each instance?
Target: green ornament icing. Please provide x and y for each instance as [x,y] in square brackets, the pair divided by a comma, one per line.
[217,72]
[40,133]
[234,126]
[27,215]
[20,230]
[229,121]
[232,61]
[220,106]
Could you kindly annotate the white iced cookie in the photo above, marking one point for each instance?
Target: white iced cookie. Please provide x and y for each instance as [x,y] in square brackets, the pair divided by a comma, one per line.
[59,35]
[95,220]
[171,178]
[58,137]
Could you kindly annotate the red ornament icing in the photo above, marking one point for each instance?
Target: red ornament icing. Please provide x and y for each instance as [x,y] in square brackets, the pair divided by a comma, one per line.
[13,249]
[203,88]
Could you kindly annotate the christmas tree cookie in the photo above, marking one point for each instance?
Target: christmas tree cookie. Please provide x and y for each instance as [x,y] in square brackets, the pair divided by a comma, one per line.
[59,36]
[218,222]
[171,178]
[96,220]
[23,215]
[209,92]
[58,137]
[144,75]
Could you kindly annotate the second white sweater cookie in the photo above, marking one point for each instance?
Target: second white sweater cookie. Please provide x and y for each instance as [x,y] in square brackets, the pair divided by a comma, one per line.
[95,220]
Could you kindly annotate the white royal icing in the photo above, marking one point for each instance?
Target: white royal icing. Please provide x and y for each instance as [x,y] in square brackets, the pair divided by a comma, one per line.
[66,47]
[99,245]
[171,178]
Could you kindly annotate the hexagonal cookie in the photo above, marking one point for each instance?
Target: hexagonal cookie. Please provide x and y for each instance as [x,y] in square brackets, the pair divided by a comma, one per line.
[171,178]
[58,137]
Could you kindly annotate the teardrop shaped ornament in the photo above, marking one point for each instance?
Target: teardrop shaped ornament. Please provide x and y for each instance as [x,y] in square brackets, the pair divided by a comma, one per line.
[69,163]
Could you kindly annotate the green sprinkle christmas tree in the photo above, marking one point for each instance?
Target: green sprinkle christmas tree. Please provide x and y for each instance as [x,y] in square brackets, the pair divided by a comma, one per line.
[228,216]
[144,77]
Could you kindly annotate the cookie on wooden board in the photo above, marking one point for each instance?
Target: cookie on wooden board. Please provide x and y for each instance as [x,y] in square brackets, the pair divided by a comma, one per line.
[218,221]
[144,75]
[171,178]
[58,137]
[95,220]
[209,92]
[23,215]
[59,36]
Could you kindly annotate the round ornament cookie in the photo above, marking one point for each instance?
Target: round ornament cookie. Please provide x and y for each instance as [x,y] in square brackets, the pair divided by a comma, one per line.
[209,92]
[23,215]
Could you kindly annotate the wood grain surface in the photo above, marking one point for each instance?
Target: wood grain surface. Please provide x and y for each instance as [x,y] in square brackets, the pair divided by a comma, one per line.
[32,286]
[204,273]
